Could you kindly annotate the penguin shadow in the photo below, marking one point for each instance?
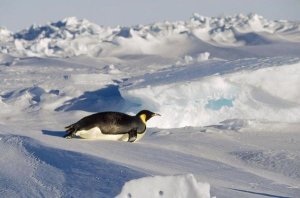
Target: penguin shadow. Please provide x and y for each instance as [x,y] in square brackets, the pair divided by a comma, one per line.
[54,133]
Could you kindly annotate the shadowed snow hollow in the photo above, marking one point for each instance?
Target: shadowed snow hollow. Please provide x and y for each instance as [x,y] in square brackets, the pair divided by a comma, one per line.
[205,94]
[165,186]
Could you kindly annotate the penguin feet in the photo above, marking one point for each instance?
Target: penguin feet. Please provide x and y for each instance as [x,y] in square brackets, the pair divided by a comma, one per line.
[69,136]
[132,139]
[132,135]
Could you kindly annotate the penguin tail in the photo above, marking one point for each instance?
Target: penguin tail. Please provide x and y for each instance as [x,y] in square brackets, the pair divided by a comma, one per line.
[71,128]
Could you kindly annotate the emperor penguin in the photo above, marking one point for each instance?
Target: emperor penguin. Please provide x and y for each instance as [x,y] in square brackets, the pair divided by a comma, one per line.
[111,126]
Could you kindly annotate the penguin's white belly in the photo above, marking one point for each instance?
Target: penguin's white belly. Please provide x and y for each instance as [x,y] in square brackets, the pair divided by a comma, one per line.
[95,133]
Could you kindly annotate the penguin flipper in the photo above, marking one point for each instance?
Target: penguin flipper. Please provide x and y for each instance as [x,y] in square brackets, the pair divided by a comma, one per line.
[132,135]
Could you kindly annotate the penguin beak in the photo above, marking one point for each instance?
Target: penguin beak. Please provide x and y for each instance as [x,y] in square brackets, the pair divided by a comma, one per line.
[156,114]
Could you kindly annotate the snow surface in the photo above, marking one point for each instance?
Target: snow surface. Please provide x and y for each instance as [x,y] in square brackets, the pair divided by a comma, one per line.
[227,89]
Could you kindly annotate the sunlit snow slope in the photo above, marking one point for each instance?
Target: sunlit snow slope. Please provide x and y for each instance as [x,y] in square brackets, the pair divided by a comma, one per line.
[203,94]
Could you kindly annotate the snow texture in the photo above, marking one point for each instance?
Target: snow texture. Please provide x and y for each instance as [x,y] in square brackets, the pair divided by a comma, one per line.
[227,89]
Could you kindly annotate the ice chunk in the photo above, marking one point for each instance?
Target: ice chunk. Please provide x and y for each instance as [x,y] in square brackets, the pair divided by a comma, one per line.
[183,186]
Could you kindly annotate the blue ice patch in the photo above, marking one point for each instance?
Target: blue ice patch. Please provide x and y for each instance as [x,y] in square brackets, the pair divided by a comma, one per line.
[217,104]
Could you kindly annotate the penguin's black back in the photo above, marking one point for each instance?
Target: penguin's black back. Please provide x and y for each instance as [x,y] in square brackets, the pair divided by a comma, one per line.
[111,123]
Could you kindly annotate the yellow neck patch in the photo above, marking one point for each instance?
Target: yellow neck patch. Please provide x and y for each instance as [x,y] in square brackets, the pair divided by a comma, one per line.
[143,118]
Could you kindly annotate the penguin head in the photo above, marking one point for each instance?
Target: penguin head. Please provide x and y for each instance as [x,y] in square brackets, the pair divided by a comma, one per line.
[145,115]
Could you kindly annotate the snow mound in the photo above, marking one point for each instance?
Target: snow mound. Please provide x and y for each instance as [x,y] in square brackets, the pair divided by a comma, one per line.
[5,35]
[185,186]
[6,41]
[27,98]
[205,94]
[67,28]
[111,69]
[74,37]
[68,37]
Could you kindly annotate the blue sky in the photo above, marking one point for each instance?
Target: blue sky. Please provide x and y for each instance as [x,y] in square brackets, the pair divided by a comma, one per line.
[19,14]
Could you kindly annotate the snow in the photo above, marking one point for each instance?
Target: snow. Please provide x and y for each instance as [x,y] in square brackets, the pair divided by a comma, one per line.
[73,37]
[29,169]
[227,89]
[167,186]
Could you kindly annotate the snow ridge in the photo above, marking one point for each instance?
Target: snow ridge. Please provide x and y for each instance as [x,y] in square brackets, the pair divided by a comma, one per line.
[73,37]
